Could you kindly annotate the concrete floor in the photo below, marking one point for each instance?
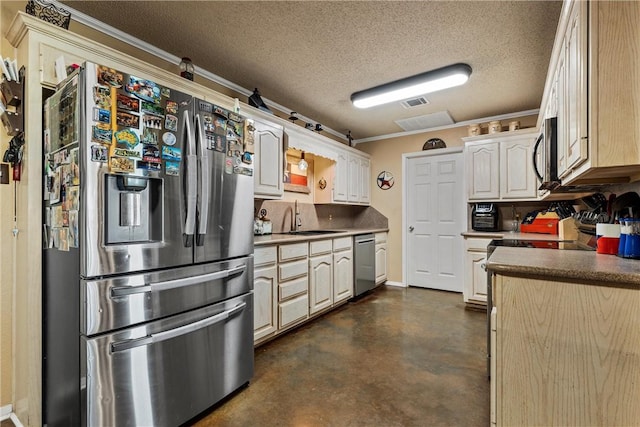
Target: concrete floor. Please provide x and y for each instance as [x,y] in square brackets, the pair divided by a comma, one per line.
[397,357]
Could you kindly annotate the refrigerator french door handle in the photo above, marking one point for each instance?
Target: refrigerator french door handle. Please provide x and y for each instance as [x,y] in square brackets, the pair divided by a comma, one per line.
[204,184]
[121,291]
[192,180]
[175,332]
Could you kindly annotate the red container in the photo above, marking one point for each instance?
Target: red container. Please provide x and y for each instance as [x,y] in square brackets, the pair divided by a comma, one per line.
[541,225]
[607,245]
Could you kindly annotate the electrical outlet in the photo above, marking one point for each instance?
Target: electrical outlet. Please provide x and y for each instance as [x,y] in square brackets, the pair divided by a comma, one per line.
[4,173]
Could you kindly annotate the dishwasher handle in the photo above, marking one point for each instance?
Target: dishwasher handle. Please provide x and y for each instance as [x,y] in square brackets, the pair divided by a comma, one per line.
[362,242]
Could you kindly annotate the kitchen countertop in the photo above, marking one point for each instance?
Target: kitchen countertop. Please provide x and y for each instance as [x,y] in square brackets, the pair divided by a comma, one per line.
[277,238]
[510,235]
[565,264]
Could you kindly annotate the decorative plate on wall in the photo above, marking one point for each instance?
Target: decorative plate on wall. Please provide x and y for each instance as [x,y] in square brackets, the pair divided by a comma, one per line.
[385,180]
[434,143]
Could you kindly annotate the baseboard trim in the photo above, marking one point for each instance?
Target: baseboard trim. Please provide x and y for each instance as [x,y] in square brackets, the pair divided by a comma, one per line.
[397,284]
[5,411]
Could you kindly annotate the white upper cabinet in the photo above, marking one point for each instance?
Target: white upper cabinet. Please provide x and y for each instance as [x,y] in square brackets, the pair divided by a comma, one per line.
[341,178]
[500,166]
[268,164]
[590,90]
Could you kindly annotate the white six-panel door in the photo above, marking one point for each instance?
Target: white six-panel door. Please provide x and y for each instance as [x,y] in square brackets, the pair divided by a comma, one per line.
[434,217]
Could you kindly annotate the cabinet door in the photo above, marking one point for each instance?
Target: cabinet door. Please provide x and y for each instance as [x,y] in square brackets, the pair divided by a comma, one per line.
[342,275]
[268,161]
[365,181]
[561,114]
[355,178]
[517,179]
[341,178]
[265,302]
[475,284]
[381,263]
[576,102]
[320,283]
[483,171]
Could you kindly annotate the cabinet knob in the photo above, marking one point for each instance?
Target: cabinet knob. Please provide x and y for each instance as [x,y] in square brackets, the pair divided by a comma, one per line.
[483,266]
[410,228]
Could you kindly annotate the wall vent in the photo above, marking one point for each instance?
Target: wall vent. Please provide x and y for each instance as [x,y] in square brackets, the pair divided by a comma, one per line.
[414,102]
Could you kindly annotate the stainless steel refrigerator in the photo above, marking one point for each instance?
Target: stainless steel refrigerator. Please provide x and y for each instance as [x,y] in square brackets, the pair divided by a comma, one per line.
[148,265]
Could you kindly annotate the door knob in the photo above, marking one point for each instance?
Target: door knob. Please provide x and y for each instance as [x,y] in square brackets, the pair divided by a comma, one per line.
[411,228]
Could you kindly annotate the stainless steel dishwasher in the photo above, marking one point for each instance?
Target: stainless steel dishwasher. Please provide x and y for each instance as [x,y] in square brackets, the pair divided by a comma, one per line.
[365,263]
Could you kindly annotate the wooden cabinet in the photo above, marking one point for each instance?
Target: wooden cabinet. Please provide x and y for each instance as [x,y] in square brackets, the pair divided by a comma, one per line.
[265,292]
[517,177]
[342,269]
[268,160]
[293,283]
[475,275]
[590,78]
[341,178]
[500,167]
[381,258]
[320,275]
[483,171]
[565,353]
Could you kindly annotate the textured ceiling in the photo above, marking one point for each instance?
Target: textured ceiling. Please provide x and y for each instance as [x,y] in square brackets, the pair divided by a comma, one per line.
[312,55]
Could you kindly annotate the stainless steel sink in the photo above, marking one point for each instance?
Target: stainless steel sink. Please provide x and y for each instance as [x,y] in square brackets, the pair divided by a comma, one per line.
[313,232]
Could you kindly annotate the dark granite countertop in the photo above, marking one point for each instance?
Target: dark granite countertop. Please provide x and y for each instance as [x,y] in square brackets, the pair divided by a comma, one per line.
[587,266]
[277,238]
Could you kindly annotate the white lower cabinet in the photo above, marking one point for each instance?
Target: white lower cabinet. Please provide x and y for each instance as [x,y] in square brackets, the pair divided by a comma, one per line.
[381,258]
[265,292]
[475,275]
[320,275]
[293,282]
[342,269]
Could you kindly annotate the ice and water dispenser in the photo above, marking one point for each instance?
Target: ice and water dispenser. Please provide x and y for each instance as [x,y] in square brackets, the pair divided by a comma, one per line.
[133,209]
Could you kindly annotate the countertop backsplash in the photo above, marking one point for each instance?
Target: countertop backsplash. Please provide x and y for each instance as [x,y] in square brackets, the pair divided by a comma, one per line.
[313,217]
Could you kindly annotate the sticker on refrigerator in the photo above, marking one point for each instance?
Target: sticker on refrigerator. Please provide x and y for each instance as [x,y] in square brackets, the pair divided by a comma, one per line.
[228,165]
[171,107]
[243,170]
[109,77]
[149,166]
[171,122]
[249,130]
[100,135]
[102,96]
[247,158]
[126,103]
[149,136]
[151,108]
[166,92]
[220,111]
[75,166]
[151,153]
[54,187]
[235,130]
[127,137]
[172,168]
[127,120]
[121,164]
[208,123]
[123,152]
[169,138]
[73,198]
[143,89]
[171,153]
[74,238]
[220,125]
[100,115]
[64,239]
[220,143]
[152,122]
[99,153]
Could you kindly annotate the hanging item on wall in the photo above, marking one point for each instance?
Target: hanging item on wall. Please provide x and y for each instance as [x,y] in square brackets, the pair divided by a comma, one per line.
[385,180]
[434,143]
[322,183]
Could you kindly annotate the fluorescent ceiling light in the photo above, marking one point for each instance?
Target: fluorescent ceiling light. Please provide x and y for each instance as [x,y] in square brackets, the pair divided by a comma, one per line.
[420,84]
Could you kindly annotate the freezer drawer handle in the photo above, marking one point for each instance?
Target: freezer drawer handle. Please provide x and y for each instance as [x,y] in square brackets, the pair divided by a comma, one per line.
[176,332]
[122,291]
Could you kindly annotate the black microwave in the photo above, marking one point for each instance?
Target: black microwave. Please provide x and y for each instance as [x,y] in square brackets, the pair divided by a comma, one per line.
[547,146]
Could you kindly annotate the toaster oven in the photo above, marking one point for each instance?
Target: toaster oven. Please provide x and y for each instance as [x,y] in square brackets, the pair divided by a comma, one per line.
[484,217]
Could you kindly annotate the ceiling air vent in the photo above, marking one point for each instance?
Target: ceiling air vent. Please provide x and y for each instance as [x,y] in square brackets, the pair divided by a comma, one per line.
[414,102]
[427,121]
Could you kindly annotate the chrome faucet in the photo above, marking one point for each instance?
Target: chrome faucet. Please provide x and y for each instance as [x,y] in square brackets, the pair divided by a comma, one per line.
[297,221]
